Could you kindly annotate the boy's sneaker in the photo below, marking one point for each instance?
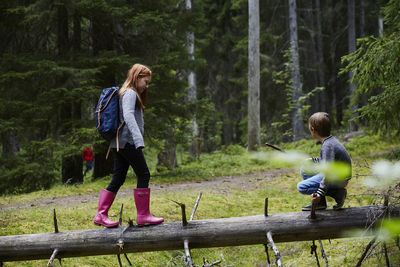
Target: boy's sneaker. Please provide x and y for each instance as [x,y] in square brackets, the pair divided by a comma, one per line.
[340,198]
[321,205]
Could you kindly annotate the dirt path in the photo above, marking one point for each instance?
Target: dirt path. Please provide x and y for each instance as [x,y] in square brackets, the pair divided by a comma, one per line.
[224,183]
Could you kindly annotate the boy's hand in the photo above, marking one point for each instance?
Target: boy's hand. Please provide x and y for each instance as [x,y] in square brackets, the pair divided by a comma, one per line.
[315,198]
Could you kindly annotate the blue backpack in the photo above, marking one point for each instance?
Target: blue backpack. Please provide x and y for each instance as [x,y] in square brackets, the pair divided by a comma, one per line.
[107,114]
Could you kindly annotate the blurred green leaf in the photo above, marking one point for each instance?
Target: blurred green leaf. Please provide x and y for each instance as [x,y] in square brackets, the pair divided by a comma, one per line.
[335,171]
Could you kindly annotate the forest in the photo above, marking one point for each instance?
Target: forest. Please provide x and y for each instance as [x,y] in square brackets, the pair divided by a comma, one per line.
[57,56]
[228,77]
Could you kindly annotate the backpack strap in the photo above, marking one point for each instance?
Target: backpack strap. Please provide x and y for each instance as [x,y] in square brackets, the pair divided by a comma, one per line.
[119,128]
[117,141]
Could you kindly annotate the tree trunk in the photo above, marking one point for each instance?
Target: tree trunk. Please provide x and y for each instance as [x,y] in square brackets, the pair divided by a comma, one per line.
[380,26]
[62,33]
[72,169]
[10,144]
[227,130]
[254,77]
[102,38]
[237,231]
[102,166]
[192,92]
[321,63]
[167,157]
[312,50]
[351,21]
[71,164]
[76,38]
[362,18]
[297,120]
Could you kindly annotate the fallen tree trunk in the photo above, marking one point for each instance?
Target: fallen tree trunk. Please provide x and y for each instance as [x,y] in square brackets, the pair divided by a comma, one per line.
[249,230]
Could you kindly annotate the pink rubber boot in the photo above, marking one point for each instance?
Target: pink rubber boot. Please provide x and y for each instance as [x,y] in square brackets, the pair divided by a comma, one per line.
[142,200]
[105,201]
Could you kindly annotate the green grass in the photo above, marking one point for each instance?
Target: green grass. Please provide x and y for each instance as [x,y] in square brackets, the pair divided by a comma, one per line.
[233,201]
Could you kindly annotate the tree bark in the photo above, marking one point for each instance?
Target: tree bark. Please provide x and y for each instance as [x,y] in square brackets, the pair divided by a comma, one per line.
[72,169]
[249,230]
[351,22]
[254,77]
[167,157]
[297,121]
[192,92]
[380,26]
[312,51]
[321,63]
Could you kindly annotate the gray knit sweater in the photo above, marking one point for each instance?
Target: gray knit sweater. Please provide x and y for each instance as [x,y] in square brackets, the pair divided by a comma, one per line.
[332,150]
[133,130]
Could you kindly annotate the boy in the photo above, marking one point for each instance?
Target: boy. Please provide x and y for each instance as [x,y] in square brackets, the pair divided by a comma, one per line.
[331,150]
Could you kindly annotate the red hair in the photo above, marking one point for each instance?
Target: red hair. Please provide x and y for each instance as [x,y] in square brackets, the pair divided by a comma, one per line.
[137,71]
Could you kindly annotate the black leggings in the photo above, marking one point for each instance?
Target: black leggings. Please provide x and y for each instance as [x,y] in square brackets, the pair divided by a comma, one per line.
[129,155]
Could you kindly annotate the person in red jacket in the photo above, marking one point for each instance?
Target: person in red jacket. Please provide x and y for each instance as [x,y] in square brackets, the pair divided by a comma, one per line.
[87,156]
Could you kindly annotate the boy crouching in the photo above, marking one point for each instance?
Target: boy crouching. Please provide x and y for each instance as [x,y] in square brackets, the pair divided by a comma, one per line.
[331,151]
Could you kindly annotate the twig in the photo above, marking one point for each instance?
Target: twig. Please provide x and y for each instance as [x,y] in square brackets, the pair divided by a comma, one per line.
[53,256]
[366,249]
[183,208]
[386,200]
[195,206]
[378,253]
[189,261]
[126,257]
[314,250]
[119,260]
[120,214]
[386,254]
[371,252]
[323,253]
[212,264]
[266,207]
[274,147]
[266,251]
[55,221]
[313,207]
[275,249]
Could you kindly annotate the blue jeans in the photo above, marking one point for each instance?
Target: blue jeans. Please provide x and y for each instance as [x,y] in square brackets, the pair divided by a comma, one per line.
[89,166]
[310,184]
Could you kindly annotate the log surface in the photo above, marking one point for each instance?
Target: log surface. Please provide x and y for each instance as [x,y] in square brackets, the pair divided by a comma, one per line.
[249,230]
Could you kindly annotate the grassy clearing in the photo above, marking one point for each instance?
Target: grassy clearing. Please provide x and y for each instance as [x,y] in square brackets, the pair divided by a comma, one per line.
[230,201]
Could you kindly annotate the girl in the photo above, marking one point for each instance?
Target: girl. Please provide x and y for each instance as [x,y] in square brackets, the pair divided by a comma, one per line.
[132,102]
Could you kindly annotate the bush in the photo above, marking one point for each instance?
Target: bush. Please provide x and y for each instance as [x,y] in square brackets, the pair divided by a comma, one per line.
[233,150]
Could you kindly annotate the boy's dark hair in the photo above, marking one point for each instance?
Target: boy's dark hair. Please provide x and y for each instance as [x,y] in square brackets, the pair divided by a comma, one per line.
[321,123]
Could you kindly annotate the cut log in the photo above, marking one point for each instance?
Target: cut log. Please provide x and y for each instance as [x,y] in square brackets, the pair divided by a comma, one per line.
[249,230]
